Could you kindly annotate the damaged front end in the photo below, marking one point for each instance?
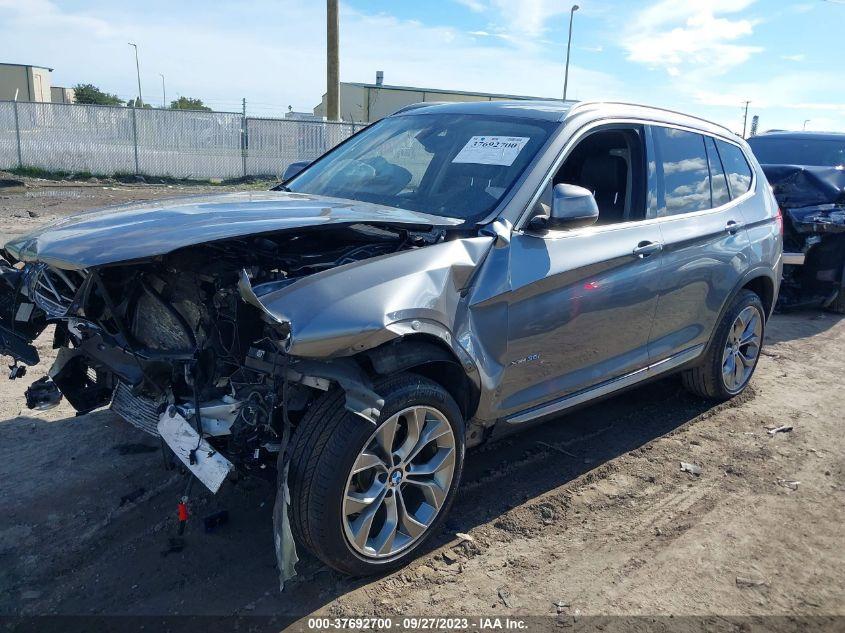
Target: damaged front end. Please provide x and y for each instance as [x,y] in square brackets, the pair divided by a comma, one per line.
[219,348]
[812,200]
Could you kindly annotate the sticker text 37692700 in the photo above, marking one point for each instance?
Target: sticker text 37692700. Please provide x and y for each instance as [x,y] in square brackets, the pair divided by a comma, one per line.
[491,150]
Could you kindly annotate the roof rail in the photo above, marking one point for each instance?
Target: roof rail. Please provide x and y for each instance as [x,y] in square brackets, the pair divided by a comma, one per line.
[649,107]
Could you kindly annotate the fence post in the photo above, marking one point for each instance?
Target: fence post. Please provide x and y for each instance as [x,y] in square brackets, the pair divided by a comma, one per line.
[135,140]
[18,135]
[244,136]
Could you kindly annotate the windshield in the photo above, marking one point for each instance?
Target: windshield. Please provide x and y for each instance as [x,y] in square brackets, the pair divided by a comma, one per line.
[798,151]
[451,165]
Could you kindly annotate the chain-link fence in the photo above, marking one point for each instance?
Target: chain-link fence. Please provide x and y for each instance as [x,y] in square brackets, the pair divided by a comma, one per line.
[177,143]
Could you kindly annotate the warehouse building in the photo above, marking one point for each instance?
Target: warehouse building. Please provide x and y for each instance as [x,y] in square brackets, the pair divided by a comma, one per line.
[60,94]
[367,103]
[25,83]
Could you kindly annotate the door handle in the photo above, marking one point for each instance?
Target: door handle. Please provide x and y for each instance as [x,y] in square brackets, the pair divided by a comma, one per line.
[732,227]
[646,248]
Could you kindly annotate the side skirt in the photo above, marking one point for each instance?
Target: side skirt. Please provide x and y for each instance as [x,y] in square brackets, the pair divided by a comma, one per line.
[607,388]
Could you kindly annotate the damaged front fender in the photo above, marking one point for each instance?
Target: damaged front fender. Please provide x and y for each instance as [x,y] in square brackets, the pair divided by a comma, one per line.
[358,306]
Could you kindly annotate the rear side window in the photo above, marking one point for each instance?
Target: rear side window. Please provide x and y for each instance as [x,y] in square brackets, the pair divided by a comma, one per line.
[736,167]
[686,175]
[718,182]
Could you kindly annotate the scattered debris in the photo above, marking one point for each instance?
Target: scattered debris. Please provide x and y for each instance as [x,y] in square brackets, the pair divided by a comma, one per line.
[450,557]
[12,185]
[744,581]
[786,483]
[557,449]
[135,448]
[132,496]
[504,596]
[215,520]
[464,537]
[693,469]
[781,429]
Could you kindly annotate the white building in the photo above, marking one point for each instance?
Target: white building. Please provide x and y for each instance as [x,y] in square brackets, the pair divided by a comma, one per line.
[366,103]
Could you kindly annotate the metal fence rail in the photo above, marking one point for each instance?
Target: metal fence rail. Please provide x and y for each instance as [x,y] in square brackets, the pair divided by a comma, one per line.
[177,143]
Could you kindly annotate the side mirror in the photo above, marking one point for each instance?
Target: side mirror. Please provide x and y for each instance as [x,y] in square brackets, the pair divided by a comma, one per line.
[572,207]
[293,169]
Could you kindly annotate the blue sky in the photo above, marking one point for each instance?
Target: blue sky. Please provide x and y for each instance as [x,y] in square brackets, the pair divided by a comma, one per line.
[703,57]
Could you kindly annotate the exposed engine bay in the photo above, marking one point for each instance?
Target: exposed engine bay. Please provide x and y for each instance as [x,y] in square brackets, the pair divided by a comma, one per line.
[176,332]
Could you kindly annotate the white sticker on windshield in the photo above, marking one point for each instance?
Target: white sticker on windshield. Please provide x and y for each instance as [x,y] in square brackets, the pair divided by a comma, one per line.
[491,150]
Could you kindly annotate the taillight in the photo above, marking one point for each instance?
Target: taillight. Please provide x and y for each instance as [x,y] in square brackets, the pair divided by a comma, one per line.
[779,218]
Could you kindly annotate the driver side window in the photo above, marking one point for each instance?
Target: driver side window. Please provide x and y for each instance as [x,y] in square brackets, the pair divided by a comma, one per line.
[610,163]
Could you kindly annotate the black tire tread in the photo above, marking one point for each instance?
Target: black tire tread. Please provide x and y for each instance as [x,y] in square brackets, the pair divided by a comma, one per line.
[838,304]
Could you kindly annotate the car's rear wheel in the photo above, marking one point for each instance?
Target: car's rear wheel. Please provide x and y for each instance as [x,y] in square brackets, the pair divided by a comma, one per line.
[732,357]
[364,497]
[838,303]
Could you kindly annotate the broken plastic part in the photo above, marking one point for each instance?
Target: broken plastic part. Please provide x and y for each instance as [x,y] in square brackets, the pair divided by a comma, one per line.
[43,394]
[286,556]
[210,467]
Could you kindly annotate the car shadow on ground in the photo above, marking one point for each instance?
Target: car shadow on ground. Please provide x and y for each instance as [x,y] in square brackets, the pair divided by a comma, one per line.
[124,566]
[514,470]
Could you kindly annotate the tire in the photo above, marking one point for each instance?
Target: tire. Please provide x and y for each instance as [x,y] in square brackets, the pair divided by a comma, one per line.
[330,440]
[708,379]
[838,304]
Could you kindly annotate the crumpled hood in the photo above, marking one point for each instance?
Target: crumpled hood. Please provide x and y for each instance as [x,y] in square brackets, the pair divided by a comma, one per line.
[804,186]
[140,230]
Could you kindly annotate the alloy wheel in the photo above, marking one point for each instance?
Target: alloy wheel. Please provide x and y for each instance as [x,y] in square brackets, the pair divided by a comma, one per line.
[399,482]
[742,348]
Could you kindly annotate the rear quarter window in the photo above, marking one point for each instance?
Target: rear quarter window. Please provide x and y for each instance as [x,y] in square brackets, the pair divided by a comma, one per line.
[736,166]
[686,174]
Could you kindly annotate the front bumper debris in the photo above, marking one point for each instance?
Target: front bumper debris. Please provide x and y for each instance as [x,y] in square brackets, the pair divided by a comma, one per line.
[209,466]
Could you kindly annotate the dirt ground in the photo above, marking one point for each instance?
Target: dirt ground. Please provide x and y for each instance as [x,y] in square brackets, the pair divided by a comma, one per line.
[587,515]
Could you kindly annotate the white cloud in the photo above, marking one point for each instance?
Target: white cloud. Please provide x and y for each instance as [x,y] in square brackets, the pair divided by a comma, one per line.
[677,36]
[473,5]
[235,50]
[519,19]
[794,58]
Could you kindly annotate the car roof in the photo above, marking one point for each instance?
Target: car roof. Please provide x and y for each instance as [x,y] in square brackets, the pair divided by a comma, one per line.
[555,110]
[527,109]
[803,136]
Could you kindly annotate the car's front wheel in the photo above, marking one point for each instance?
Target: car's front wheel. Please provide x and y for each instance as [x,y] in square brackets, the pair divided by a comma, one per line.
[731,359]
[364,497]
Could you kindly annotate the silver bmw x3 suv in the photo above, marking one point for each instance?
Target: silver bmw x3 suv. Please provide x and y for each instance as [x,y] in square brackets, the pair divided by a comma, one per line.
[452,273]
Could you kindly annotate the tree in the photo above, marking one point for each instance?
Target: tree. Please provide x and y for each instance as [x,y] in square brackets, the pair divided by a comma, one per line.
[89,93]
[189,103]
[137,103]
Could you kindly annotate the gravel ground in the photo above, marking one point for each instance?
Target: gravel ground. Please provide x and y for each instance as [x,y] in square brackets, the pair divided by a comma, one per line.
[587,515]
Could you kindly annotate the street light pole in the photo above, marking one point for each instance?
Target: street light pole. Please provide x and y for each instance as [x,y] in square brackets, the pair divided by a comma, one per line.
[806,121]
[572,11]
[138,71]
[163,92]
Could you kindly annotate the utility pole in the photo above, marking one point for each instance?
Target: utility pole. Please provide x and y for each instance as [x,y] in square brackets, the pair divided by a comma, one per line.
[745,118]
[572,11]
[332,61]
[163,92]
[138,71]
